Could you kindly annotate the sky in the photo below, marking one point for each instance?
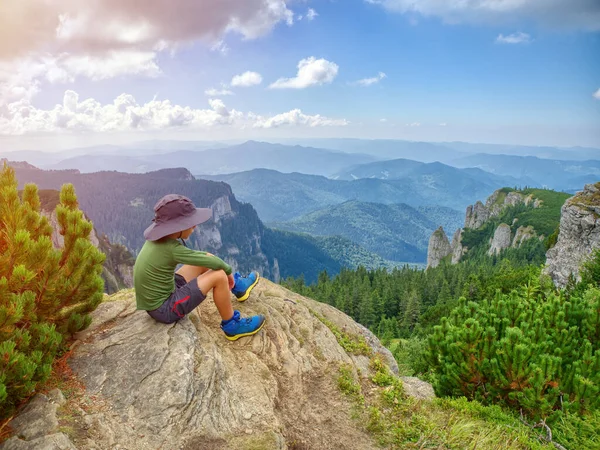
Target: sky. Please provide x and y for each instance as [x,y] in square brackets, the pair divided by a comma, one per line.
[76,73]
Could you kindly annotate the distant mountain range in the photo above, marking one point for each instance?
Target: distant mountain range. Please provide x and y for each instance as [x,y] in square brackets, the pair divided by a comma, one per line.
[120,206]
[237,158]
[532,171]
[441,151]
[395,232]
[282,197]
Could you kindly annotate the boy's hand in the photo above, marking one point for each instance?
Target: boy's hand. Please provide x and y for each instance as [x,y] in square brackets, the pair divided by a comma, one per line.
[231,281]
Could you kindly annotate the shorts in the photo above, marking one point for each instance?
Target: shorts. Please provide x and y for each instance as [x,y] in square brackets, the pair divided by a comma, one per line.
[181,302]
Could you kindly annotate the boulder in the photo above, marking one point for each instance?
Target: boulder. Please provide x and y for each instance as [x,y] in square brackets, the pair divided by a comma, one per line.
[579,235]
[184,386]
[439,247]
[501,239]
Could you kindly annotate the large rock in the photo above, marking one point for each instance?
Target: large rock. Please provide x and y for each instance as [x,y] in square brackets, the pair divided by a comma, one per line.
[476,215]
[501,239]
[457,248]
[439,247]
[579,235]
[523,234]
[184,386]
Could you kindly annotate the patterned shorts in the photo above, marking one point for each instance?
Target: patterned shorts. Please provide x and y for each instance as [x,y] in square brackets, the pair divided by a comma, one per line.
[181,302]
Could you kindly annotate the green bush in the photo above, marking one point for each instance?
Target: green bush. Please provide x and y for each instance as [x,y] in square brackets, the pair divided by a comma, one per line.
[534,350]
[45,293]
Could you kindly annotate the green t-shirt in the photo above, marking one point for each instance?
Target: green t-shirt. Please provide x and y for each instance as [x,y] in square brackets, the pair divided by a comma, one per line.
[153,272]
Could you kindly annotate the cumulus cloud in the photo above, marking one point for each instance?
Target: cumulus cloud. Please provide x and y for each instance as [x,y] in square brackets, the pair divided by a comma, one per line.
[218,92]
[311,14]
[515,38]
[298,118]
[369,81]
[102,25]
[596,94]
[126,114]
[311,72]
[576,14]
[246,79]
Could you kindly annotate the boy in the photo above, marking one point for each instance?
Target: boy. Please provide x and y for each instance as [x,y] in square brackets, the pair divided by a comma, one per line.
[168,297]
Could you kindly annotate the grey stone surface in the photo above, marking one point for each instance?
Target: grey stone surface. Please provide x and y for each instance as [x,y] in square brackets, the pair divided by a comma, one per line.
[37,419]
[438,249]
[186,386]
[501,239]
[523,234]
[417,388]
[579,235]
[56,441]
[457,248]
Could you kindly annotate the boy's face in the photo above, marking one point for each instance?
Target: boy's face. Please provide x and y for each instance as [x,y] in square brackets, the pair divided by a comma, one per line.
[187,233]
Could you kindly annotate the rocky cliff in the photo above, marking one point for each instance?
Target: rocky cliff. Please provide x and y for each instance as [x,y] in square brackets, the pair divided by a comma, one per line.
[439,247]
[146,385]
[578,236]
[476,217]
[121,206]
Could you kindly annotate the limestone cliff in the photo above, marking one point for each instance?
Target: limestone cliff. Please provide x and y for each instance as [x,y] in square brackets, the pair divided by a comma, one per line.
[148,385]
[501,239]
[476,217]
[578,236]
[439,247]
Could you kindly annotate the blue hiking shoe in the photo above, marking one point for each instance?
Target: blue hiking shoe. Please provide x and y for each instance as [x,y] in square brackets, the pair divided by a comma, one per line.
[239,326]
[243,285]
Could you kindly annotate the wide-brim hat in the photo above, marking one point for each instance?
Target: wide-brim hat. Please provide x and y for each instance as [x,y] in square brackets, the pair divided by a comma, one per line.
[174,213]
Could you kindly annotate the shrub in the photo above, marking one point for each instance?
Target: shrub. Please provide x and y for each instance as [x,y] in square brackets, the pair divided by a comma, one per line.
[533,350]
[45,293]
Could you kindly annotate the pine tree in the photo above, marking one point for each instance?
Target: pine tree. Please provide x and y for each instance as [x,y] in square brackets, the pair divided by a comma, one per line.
[45,293]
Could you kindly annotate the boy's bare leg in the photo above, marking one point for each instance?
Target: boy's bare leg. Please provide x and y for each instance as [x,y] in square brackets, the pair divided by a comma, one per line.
[218,281]
[190,272]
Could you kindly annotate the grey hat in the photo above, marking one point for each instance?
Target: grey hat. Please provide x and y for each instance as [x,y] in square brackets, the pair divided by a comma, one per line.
[174,213]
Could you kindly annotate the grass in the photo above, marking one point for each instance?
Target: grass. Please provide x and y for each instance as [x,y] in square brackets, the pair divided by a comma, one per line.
[396,421]
[355,345]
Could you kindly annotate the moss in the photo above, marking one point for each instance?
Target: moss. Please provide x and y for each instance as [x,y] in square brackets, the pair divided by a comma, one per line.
[355,345]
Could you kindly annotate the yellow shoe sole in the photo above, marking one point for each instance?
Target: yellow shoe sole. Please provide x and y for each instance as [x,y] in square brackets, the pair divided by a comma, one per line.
[237,336]
[247,294]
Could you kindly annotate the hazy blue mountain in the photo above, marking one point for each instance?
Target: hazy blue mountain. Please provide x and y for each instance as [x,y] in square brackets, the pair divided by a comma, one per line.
[553,173]
[408,169]
[247,156]
[384,148]
[442,151]
[544,152]
[396,232]
[281,197]
[97,163]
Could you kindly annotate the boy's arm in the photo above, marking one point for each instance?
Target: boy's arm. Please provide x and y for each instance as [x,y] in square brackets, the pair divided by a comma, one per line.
[184,255]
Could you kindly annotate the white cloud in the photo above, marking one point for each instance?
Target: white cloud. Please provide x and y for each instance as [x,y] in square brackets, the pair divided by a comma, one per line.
[311,14]
[311,72]
[246,79]
[576,14]
[383,120]
[515,38]
[596,94]
[21,79]
[443,124]
[95,26]
[297,118]
[126,114]
[220,47]
[369,81]
[218,92]
[414,124]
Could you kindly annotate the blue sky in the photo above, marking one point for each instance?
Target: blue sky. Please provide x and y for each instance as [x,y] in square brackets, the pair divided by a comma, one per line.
[525,72]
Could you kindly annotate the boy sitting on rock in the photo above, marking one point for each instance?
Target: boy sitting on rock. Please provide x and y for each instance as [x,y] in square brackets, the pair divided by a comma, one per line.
[168,296]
